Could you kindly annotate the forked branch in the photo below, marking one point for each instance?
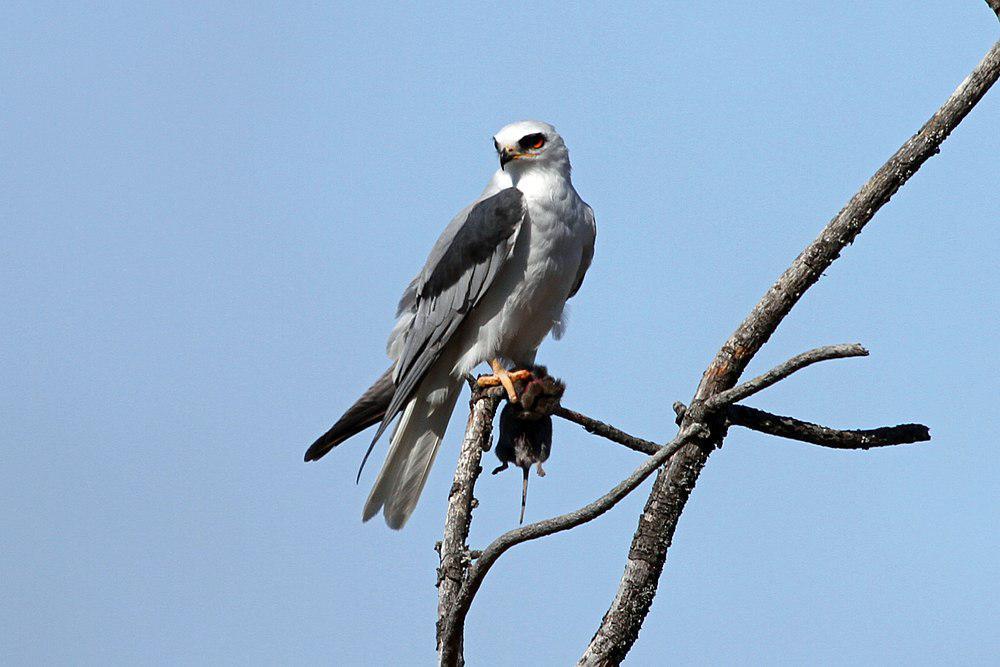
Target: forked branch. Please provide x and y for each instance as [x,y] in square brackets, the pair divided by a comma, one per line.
[701,427]
[451,638]
[461,574]
[620,626]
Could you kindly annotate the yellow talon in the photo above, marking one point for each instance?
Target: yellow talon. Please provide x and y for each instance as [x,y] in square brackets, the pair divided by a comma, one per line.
[505,378]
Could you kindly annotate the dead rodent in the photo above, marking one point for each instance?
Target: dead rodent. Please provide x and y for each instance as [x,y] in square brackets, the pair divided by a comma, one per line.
[526,429]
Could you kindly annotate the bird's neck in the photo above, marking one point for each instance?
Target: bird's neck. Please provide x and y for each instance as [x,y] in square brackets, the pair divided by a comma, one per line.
[543,180]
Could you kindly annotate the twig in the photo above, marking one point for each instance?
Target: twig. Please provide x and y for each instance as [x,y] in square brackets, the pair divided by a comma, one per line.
[782,371]
[451,639]
[620,625]
[796,429]
[607,431]
[771,424]
[454,551]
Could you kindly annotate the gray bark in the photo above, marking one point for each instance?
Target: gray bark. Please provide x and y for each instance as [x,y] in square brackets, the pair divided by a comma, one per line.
[453,548]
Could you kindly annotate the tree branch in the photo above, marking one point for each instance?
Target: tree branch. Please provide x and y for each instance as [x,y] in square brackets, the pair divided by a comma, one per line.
[795,429]
[459,579]
[607,431]
[771,424]
[451,638]
[780,372]
[620,625]
[453,550]
[467,579]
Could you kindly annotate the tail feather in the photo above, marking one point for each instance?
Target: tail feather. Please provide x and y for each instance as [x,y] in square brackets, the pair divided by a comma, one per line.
[395,461]
[367,411]
[414,445]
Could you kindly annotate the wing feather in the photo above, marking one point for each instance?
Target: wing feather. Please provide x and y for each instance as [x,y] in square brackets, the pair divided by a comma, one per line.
[588,252]
[462,266]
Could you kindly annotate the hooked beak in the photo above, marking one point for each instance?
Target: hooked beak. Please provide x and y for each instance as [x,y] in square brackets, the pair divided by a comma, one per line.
[506,155]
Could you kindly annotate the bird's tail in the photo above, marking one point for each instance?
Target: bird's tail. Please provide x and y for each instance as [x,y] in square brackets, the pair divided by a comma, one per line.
[367,411]
[414,444]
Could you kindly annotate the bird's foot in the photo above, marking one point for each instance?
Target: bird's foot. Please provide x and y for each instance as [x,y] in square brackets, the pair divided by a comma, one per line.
[504,377]
[538,467]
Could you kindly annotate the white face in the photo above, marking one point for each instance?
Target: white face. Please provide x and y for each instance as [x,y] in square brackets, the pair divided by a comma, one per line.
[528,142]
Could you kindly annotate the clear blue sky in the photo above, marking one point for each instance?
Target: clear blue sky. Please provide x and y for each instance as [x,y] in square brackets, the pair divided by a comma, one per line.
[209,212]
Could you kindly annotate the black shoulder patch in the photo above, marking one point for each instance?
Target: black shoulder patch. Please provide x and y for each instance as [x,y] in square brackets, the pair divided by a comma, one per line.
[489,223]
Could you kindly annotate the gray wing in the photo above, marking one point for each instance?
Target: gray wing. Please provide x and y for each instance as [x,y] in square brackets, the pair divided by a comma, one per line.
[460,269]
[588,251]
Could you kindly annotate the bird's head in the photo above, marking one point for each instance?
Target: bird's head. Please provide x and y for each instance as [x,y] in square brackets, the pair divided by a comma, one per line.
[529,145]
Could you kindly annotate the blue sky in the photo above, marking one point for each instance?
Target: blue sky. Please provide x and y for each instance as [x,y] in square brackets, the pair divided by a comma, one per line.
[208,213]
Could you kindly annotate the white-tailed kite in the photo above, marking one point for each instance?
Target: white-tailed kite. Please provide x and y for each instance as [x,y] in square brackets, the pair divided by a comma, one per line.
[494,286]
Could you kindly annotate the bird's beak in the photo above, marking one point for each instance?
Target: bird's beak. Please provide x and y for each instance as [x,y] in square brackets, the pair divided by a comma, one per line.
[506,155]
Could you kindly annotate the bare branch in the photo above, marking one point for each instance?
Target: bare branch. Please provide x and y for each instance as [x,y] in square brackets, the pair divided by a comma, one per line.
[771,424]
[620,626]
[454,551]
[796,429]
[451,639]
[608,431]
[782,371]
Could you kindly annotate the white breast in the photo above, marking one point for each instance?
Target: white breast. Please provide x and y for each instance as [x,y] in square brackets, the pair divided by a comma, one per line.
[529,294]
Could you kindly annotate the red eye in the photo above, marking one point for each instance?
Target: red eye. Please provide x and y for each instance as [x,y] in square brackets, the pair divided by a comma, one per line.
[532,141]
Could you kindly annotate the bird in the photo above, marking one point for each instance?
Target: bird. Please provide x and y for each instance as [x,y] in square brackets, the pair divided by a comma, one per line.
[494,286]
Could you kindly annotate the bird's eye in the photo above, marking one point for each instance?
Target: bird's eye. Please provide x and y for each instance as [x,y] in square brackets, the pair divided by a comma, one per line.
[534,141]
